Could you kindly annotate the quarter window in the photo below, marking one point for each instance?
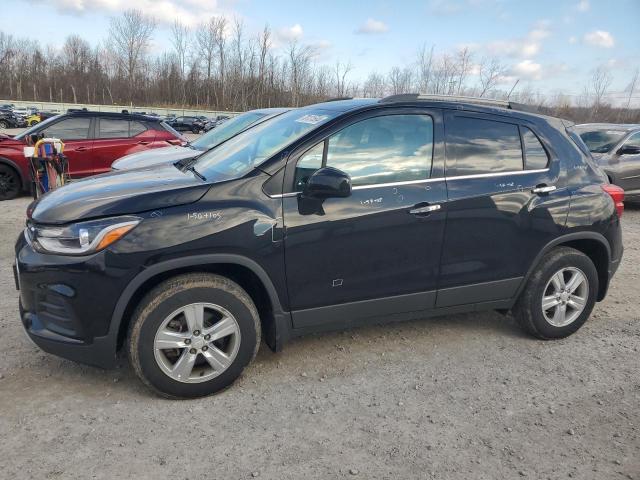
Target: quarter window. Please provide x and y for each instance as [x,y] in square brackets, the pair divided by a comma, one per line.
[69,129]
[633,141]
[476,146]
[135,128]
[534,153]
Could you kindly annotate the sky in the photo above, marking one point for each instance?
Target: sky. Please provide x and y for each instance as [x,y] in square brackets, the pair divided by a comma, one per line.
[549,45]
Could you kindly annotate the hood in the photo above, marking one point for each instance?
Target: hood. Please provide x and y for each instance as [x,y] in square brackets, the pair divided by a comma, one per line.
[154,156]
[120,193]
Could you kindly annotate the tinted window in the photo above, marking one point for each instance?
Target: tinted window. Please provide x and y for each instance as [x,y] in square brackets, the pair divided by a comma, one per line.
[476,146]
[69,129]
[534,153]
[135,128]
[114,128]
[392,148]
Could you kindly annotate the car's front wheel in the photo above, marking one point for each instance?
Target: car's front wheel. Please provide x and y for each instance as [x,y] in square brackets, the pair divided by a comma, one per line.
[10,184]
[4,124]
[193,335]
[559,295]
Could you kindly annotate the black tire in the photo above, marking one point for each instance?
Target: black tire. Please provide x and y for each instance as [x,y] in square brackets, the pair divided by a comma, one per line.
[10,184]
[173,294]
[195,130]
[3,124]
[528,308]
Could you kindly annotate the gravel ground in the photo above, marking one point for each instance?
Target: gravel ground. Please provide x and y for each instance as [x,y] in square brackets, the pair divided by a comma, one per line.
[464,396]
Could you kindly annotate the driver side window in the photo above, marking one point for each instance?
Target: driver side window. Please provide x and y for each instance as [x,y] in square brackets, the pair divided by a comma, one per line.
[383,149]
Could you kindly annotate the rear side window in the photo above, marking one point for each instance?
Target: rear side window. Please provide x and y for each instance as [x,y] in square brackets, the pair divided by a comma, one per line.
[535,156]
[476,146]
[69,129]
[114,128]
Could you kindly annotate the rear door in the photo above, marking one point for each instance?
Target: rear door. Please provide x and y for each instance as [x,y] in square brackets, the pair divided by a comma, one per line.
[376,252]
[75,132]
[507,199]
[117,137]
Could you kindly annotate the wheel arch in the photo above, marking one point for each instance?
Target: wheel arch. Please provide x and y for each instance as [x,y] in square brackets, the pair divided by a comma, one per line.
[594,245]
[242,270]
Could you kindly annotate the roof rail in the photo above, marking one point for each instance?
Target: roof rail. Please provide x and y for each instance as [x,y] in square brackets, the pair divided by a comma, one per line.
[489,102]
[337,99]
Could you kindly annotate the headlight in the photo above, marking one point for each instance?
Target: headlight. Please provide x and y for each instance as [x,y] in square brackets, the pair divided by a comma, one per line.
[79,238]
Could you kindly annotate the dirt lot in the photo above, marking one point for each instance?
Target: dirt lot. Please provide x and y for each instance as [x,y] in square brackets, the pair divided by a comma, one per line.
[465,396]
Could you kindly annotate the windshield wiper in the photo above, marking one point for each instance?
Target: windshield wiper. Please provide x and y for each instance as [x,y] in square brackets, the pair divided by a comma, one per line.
[190,168]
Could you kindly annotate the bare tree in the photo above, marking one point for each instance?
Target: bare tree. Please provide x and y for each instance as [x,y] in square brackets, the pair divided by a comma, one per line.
[129,37]
[341,71]
[600,82]
[489,72]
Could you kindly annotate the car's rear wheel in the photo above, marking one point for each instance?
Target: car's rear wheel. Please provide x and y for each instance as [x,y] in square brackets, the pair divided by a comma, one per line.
[559,295]
[10,184]
[3,124]
[193,335]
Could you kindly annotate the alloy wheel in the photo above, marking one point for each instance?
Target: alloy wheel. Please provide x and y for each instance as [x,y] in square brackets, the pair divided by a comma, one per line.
[197,342]
[9,187]
[565,296]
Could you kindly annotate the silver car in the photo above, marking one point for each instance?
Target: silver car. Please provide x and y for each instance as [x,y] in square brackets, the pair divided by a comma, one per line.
[206,142]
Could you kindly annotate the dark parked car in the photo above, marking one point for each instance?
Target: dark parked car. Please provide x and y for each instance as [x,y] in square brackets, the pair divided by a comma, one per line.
[8,119]
[93,140]
[206,142]
[187,124]
[328,216]
[616,148]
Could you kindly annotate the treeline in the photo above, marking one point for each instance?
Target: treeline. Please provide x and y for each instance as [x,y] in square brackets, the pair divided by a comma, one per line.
[219,66]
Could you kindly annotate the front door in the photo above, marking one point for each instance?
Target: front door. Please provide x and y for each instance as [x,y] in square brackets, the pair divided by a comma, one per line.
[376,252]
[628,166]
[78,144]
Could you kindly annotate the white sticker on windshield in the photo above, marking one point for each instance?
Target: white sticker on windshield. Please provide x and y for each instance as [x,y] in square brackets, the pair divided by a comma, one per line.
[312,119]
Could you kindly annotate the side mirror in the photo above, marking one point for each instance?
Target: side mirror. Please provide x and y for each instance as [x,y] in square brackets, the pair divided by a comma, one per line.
[328,182]
[628,150]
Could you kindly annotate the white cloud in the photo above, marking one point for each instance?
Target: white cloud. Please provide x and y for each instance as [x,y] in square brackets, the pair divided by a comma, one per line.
[573,40]
[599,38]
[291,34]
[528,46]
[189,12]
[372,26]
[583,6]
[527,69]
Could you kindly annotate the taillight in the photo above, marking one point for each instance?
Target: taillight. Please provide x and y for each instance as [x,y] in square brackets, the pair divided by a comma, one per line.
[617,194]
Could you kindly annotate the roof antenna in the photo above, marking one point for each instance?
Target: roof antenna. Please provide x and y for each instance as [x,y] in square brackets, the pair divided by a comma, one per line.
[513,88]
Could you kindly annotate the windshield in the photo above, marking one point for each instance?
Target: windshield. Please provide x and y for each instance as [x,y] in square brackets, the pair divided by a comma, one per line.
[601,141]
[37,126]
[228,129]
[250,148]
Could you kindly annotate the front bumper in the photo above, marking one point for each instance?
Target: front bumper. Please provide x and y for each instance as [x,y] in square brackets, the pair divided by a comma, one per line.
[66,304]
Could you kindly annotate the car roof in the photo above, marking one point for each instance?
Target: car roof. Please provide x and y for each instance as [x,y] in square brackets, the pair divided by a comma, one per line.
[117,115]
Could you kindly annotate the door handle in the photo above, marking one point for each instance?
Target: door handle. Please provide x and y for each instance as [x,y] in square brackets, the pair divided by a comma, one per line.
[142,142]
[81,149]
[543,189]
[427,209]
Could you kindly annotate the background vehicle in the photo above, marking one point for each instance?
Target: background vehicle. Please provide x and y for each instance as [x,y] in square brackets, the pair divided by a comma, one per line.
[33,119]
[206,142]
[93,140]
[8,119]
[187,124]
[328,216]
[616,148]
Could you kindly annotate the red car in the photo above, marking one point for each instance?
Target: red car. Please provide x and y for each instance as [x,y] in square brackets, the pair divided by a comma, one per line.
[93,140]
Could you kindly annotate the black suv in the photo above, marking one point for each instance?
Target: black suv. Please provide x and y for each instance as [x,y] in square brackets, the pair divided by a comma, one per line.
[187,124]
[325,217]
